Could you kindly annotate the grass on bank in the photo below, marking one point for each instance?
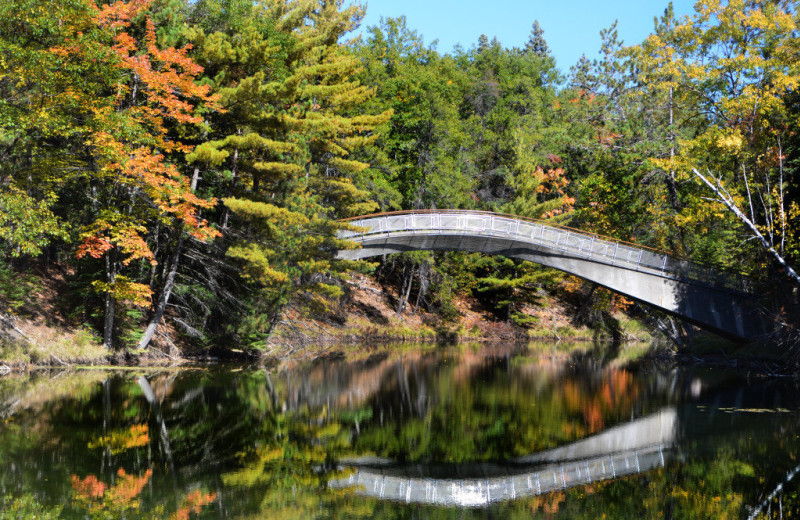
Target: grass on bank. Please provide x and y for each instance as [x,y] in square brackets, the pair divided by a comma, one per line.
[356,327]
[630,330]
[51,346]
[396,328]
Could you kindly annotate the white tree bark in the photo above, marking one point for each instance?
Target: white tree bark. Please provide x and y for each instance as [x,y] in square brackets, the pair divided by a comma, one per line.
[726,199]
[163,298]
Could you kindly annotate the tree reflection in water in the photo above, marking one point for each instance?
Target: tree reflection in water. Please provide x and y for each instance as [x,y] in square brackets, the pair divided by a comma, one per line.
[246,443]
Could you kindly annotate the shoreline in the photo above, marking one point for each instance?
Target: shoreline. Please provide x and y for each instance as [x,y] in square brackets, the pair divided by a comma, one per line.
[632,356]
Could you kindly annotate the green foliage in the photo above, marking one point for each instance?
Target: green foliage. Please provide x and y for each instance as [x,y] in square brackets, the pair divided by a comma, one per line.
[26,506]
[16,289]
[27,225]
[727,71]
[422,153]
[284,155]
[444,292]
[118,140]
[507,286]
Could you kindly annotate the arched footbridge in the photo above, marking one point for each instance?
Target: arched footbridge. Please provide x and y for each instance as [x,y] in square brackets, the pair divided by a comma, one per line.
[712,300]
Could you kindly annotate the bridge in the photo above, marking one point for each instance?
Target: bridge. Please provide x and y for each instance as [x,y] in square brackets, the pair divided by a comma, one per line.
[635,447]
[707,298]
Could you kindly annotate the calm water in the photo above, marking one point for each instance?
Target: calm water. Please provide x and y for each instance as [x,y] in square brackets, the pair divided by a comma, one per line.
[434,433]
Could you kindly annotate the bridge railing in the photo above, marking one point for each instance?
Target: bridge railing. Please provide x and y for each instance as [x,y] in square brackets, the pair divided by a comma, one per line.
[518,229]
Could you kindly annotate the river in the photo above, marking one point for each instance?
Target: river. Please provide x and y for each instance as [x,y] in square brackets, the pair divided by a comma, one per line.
[429,432]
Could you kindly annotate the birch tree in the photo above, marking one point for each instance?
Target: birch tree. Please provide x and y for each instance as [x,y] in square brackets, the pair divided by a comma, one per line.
[731,65]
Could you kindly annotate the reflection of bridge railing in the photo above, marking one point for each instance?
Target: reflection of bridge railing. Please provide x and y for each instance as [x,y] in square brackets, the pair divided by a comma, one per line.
[471,226]
[405,486]
[627,449]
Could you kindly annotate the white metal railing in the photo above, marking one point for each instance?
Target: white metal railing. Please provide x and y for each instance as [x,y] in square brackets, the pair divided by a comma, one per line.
[586,245]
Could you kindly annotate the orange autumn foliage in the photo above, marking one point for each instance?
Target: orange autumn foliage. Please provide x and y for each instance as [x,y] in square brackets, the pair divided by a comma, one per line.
[92,494]
[193,503]
[617,391]
[127,489]
[129,135]
[99,499]
[583,96]
[104,235]
[89,488]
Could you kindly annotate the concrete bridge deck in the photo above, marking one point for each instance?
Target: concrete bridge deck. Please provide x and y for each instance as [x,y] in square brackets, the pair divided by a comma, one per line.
[707,298]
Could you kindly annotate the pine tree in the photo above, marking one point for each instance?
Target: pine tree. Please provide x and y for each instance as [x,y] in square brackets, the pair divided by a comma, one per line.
[536,43]
[283,154]
[424,142]
[483,43]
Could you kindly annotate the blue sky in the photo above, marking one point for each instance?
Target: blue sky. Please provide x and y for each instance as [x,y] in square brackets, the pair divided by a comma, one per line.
[571,27]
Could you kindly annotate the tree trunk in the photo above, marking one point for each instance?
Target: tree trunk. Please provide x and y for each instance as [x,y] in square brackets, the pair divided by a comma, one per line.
[226,213]
[405,292]
[672,185]
[195,178]
[110,305]
[156,245]
[726,199]
[163,298]
[169,281]
[419,297]
[423,275]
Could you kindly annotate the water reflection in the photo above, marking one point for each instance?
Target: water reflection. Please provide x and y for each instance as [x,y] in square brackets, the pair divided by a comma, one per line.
[634,447]
[407,435]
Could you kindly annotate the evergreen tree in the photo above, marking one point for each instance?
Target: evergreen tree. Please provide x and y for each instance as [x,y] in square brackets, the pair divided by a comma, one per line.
[536,44]
[283,153]
[426,157]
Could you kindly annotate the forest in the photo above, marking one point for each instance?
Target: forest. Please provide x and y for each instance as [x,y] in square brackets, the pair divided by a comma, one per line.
[190,161]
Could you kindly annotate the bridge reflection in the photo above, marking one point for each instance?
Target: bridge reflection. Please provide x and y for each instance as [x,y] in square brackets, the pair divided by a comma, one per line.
[638,446]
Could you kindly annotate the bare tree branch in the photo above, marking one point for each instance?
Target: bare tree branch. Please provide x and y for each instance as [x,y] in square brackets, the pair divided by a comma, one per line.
[729,203]
[778,489]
